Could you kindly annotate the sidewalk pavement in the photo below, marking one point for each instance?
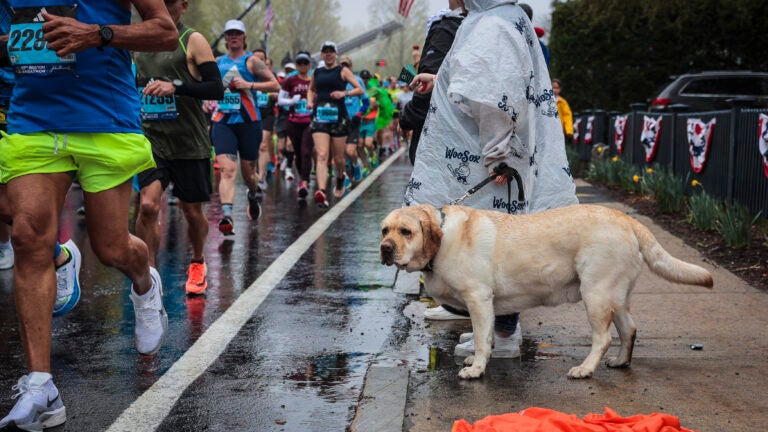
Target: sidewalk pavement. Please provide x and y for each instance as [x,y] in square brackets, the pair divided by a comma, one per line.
[721,387]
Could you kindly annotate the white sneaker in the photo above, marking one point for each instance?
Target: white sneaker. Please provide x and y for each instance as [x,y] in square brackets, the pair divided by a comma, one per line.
[40,405]
[289,174]
[439,313]
[151,319]
[284,164]
[503,347]
[6,256]
[68,281]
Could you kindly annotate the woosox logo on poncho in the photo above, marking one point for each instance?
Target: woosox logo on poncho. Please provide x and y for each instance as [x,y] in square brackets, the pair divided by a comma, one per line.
[699,141]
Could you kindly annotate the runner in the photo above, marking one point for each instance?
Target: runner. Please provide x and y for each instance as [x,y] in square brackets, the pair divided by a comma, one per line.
[179,135]
[294,96]
[236,126]
[330,122]
[356,106]
[266,103]
[67,119]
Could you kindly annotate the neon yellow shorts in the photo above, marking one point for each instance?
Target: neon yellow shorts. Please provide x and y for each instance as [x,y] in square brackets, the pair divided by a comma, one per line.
[100,161]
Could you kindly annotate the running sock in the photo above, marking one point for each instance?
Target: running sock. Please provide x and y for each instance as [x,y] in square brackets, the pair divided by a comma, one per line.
[200,261]
[58,251]
[226,210]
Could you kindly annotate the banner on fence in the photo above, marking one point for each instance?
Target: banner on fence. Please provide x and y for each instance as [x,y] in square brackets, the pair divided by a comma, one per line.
[620,127]
[763,141]
[699,141]
[590,128]
[576,128]
[649,136]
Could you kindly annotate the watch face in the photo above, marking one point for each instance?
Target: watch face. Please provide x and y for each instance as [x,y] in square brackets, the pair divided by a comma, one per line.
[106,34]
[177,82]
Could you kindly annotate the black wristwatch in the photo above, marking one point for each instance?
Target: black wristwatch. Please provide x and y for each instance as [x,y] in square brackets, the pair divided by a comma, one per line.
[177,83]
[106,34]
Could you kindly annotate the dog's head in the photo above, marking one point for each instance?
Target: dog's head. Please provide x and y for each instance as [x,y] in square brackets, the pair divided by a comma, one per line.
[410,237]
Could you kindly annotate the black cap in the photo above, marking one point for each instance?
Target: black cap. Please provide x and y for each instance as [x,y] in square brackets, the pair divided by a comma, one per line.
[527,9]
[364,74]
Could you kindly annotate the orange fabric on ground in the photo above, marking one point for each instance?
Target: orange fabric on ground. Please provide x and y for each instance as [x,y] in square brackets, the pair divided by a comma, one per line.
[546,420]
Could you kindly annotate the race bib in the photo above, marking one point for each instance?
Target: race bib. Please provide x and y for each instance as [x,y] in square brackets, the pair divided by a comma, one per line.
[262,99]
[230,103]
[327,114]
[157,107]
[27,49]
[301,108]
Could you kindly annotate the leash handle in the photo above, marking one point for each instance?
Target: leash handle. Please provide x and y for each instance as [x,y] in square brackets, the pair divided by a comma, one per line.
[503,168]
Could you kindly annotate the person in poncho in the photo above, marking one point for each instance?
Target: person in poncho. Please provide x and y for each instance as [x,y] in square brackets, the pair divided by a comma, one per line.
[492,104]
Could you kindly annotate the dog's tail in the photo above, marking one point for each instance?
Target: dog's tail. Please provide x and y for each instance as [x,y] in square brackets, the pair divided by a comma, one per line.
[664,264]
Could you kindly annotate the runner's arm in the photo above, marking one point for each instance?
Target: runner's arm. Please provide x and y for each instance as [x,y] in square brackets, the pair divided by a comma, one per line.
[156,31]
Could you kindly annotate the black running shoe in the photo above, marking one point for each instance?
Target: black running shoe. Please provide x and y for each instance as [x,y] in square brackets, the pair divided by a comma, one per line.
[254,205]
[226,226]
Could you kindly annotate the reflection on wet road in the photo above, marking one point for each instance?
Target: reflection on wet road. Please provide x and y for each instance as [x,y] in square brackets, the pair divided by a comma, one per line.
[299,361]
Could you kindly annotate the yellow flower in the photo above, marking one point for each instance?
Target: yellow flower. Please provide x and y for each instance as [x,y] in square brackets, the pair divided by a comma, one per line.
[600,149]
[649,170]
[615,159]
[635,178]
[695,183]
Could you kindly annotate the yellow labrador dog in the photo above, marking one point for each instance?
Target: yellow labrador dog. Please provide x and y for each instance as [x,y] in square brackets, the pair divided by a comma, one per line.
[488,263]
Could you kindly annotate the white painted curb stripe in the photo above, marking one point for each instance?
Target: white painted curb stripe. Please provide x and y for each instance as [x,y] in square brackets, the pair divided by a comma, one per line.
[148,411]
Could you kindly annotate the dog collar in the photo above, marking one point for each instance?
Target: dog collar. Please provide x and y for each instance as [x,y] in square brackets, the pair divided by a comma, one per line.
[428,267]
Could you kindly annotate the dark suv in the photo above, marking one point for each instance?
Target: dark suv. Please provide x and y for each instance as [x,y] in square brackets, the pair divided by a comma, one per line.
[715,90]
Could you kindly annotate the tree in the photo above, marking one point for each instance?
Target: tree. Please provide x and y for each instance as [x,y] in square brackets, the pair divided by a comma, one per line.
[610,53]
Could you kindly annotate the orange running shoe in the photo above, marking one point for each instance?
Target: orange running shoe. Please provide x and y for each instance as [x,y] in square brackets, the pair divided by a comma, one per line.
[197,282]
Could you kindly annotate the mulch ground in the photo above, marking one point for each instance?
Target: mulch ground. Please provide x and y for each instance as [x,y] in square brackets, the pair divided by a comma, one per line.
[749,263]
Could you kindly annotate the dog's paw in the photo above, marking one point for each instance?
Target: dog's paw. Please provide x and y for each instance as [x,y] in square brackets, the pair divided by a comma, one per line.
[613,362]
[469,360]
[471,372]
[580,372]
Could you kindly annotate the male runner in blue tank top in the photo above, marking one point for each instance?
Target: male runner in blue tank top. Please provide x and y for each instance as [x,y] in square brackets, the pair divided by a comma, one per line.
[74,112]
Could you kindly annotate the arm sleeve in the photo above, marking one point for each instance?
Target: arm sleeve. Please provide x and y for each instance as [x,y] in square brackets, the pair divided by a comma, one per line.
[284,98]
[209,88]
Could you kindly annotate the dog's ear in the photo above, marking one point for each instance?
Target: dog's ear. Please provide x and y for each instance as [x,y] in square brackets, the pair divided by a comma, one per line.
[433,235]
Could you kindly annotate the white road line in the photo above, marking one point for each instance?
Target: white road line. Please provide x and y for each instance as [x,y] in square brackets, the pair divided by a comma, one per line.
[148,411]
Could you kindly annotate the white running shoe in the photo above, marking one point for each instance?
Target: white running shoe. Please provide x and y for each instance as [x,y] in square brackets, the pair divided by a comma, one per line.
[6,256]
[151,319]
[39,406]
[289,174]
[503,347]
[68,281]
[440,314]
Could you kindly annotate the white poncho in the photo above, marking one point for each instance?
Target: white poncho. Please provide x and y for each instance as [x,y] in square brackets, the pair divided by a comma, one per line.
[492,103]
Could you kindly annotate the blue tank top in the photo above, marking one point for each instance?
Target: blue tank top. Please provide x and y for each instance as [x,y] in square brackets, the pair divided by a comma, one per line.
[100,96]
[232,68]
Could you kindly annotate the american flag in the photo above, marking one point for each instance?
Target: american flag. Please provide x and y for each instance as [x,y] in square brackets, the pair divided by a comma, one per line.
[405,7]
[268,16]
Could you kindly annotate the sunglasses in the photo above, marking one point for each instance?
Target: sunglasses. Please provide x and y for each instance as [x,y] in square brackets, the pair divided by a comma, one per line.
[302,62]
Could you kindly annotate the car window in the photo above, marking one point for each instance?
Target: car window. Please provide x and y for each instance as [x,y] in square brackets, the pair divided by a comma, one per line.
[732,86]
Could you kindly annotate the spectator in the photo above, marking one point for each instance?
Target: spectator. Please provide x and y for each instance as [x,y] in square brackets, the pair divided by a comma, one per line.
[477,124]
[440,33]
[563,110]
[56,132]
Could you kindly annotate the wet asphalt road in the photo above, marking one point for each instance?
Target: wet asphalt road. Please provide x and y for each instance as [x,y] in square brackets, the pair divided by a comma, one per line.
[297,364]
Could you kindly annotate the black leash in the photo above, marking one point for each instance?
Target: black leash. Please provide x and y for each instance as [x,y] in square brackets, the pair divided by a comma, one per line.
[501,169]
